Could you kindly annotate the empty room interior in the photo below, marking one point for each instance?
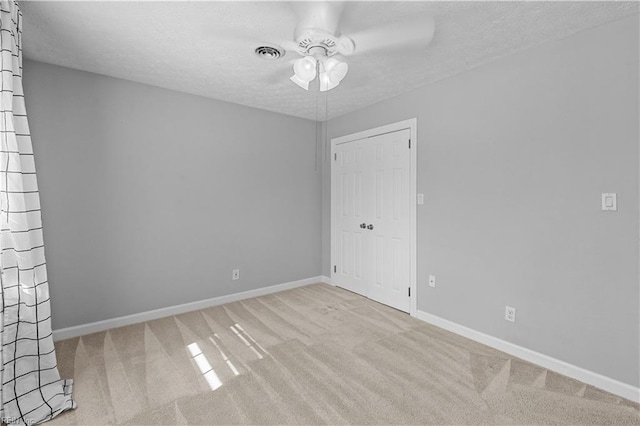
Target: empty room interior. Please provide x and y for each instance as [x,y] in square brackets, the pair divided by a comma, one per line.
[360,212]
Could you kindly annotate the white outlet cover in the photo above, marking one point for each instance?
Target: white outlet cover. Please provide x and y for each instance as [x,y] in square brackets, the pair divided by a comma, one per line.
[235,274]
[510,313]
[420,199]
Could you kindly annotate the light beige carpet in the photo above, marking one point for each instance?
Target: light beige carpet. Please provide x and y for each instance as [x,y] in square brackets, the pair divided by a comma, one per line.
[314,355]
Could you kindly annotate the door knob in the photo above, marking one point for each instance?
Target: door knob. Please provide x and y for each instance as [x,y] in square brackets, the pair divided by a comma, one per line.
[370,227]
[363,225]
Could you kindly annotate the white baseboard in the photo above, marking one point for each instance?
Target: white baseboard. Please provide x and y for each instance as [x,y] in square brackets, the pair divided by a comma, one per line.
[598,380]
[326,280]
[93,327]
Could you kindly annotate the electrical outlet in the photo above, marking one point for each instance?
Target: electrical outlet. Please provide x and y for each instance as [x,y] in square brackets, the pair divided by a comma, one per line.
[235,275]
[432,280]
[510,313]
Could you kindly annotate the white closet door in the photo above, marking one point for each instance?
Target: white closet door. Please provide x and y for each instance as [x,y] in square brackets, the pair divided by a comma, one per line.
[390,220]
[372,218]
[353,170]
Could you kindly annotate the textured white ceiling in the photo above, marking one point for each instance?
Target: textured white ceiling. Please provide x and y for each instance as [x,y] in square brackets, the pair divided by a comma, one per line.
[206,48]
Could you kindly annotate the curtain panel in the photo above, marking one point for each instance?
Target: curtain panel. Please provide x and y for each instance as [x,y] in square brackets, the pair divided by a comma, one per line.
[32,391]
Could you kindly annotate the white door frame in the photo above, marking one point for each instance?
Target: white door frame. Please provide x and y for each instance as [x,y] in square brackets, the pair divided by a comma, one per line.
[412,125]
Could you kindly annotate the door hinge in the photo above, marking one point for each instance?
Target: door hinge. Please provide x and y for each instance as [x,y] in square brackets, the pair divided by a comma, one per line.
[409,143]
[335,269]
[409,291]
[335,156]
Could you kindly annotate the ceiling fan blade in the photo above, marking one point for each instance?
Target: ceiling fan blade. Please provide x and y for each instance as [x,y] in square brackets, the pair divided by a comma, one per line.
[324,16]
[416,32]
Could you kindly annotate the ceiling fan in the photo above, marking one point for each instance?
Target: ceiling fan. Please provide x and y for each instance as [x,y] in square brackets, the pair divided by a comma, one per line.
[318,39]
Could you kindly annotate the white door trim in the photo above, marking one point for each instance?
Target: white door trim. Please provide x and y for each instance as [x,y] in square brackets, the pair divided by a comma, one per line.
[412,125]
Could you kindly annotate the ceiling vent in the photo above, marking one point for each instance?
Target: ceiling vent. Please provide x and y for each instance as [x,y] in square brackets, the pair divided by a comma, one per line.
[269,53]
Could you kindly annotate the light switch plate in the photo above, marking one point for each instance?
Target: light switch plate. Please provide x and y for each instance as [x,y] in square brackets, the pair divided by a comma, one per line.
[420,199]
[609,201]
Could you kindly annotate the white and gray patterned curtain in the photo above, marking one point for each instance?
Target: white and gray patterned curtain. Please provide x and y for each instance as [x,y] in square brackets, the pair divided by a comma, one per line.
[32,391]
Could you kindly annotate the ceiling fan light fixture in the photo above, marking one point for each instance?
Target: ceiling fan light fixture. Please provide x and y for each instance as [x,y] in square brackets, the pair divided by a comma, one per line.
[330,71]
[297,80]
[326,83]
[305,68]
[336,70]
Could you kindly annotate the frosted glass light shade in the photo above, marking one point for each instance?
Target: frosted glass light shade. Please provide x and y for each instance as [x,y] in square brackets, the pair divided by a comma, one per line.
[305,68]
[336,70]
[326,83]
[297,80]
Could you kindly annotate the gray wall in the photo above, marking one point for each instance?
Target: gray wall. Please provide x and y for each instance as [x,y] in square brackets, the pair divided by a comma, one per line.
[512,159]
[151,197]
